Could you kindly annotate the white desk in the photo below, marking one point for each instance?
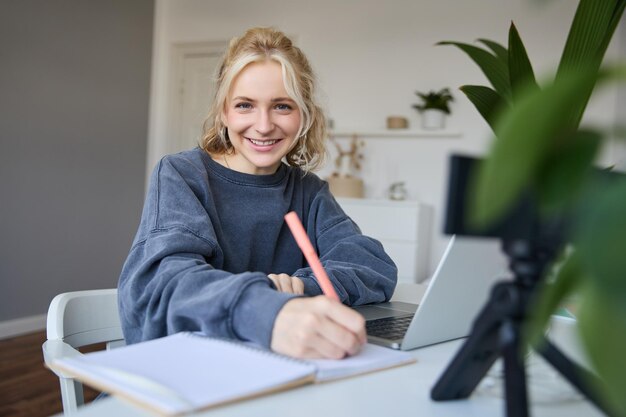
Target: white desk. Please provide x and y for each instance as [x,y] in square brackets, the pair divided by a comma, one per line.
[394,392]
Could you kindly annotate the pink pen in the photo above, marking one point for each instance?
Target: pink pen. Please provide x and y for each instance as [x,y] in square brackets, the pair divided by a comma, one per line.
[295,225]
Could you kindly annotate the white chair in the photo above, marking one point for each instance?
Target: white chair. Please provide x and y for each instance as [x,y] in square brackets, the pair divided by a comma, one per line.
[76,319]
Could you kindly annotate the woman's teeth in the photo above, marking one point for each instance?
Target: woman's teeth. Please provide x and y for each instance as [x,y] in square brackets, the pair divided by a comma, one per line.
[263,142]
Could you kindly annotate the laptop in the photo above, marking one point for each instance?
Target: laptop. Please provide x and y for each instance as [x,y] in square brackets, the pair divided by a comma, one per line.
[457,291]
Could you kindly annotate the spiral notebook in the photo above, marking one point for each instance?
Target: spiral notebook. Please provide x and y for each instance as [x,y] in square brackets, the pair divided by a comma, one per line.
[187,372]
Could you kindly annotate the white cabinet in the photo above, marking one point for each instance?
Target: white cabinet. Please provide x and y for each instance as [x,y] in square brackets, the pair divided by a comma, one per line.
[403,227]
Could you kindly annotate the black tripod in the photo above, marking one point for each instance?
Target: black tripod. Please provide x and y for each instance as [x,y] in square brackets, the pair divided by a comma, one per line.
[497,332]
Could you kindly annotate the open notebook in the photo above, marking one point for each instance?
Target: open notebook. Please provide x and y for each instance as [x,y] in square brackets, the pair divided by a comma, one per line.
[186,372]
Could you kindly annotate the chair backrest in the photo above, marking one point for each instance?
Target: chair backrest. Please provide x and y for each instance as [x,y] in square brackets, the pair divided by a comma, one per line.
[82,318]
[76,319]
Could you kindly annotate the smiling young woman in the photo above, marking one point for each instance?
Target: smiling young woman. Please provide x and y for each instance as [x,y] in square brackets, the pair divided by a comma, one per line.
[212,252]
[261,119]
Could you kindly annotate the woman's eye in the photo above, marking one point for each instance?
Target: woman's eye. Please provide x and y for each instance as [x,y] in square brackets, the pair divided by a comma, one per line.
[283,107]
[244,106]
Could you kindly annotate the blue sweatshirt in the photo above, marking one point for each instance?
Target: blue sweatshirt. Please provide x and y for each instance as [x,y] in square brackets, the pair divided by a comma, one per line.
[209,236]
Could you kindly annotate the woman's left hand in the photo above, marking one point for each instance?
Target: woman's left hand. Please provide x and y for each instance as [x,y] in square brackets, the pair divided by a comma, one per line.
[287,283]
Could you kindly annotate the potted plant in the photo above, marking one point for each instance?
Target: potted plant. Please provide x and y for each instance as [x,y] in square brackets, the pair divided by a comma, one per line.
[434,108]
[540,147]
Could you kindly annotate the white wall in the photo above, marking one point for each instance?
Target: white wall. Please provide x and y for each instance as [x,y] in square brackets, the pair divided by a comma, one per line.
[370,57]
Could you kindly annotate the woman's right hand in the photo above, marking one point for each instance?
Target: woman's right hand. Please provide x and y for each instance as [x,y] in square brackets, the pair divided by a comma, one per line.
[318,327]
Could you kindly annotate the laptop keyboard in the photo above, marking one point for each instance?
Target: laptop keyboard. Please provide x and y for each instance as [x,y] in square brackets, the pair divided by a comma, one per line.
[388,327]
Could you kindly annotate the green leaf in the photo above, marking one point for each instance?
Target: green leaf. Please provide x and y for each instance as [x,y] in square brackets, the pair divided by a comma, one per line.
[590,34]
[567,167]
[488,102]
[525,137]
[615,19]
[435,100]
[520,70]
[494,69]
[569,275]
[602,228]
[602,324]
[594,24]
[499,50]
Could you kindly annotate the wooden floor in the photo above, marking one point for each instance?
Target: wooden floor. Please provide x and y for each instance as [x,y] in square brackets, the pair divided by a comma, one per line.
[27,387]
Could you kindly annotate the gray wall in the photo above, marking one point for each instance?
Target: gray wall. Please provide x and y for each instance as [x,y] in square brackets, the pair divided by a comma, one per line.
[74,97]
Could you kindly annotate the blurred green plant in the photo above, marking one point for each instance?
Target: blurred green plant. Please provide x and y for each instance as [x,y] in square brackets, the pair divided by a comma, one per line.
[540,146]
[437,100]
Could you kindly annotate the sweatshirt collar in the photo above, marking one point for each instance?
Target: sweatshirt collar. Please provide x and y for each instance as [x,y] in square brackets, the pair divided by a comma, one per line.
[242,178]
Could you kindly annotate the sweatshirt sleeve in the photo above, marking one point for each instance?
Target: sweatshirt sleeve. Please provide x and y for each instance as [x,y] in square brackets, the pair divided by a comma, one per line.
[357,265]
[168,283]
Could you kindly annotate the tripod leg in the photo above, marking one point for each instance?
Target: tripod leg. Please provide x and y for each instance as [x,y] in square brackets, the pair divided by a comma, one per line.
[472,361]
[578,376]
[514,370]
[480,350]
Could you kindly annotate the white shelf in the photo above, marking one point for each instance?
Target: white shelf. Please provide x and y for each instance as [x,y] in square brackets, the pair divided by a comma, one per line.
[396,133]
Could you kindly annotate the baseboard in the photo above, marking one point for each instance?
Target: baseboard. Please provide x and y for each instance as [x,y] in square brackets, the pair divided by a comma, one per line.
[23,325]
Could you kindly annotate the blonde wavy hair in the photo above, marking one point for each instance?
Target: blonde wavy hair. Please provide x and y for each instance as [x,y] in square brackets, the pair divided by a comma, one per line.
[258,45]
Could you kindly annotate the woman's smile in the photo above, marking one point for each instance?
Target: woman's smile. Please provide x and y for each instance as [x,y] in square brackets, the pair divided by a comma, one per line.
[264,143]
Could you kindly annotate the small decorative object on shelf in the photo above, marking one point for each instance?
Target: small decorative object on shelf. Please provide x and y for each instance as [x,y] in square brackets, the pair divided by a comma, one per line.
[397,191]
[397,122]
[434,108]
[343,181]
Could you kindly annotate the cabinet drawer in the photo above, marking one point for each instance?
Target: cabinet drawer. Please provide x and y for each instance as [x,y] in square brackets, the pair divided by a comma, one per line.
[384,220]
[406,259]
[403,227]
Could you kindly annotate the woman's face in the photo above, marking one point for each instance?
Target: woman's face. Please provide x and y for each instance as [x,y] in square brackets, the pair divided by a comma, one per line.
[262,120]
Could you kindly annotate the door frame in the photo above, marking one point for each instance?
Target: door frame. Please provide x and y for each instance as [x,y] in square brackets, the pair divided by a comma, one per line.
[179,52]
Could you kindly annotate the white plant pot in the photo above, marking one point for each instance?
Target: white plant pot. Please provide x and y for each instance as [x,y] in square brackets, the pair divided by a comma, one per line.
[433,119]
